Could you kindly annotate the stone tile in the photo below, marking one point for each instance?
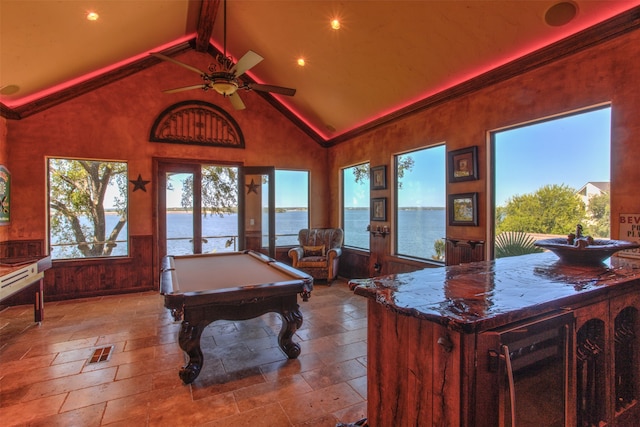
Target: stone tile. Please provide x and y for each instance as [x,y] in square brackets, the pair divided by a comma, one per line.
[284,368]
[21,378]
[138,406]
[70,383]
[108,391]
[11,366]
[183,411]
[268,416]
[270,392]
[23,413]
[89,416]
[352,413]
[150,366]
[246,378]
[344,352]
[334,374]
[359,385]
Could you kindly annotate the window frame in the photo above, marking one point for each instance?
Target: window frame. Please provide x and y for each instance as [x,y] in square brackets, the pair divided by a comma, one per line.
[491,210]
[308,198]
[396,200]
[49,209]
[366,205]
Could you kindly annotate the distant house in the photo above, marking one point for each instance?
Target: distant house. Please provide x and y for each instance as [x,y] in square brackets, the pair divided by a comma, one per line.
[591,189]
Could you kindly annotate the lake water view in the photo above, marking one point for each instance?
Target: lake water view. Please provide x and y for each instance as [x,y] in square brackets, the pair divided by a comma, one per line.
[417,231]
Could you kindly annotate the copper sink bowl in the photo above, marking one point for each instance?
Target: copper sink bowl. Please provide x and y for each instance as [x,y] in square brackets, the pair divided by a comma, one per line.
[595,252]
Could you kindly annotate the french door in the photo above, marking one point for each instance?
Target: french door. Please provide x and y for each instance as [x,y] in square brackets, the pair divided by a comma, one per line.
[257,203]
[204,208]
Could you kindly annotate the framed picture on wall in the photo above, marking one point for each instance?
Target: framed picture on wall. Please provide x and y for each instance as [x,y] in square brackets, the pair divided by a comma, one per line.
[463,164]
[379,178]
[379,209]
[463,209]
[5,195]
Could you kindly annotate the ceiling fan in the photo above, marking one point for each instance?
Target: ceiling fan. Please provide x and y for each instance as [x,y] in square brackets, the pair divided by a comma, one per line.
[223,77]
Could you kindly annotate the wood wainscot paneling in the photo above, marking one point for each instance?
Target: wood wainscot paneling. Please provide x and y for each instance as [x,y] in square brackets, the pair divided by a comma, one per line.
[21,248]
[461,251]
[108,276]
[354,264]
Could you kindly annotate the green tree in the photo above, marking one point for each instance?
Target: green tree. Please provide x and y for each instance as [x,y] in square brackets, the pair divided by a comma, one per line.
[552,209]
[599,212]
[219,190]
[361,172]
[77,191]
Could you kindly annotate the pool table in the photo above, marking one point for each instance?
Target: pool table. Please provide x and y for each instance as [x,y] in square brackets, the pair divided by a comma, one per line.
[203,288]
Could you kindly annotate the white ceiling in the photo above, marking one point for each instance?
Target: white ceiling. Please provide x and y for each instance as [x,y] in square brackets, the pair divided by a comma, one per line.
[387,55]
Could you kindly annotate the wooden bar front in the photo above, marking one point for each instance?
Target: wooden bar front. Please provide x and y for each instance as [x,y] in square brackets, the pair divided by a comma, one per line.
[431,334]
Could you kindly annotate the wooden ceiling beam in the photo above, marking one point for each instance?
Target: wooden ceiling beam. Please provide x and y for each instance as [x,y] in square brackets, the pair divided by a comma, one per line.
[208,13]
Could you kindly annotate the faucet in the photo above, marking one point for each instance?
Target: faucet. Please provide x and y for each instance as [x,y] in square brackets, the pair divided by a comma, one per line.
[578,231]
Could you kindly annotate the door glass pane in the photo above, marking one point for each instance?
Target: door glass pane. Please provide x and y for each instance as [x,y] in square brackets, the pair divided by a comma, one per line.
[219,208]
[265,211]
[179,214]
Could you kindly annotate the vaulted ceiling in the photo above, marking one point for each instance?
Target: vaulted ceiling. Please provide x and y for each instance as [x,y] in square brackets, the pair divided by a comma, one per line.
[388,57]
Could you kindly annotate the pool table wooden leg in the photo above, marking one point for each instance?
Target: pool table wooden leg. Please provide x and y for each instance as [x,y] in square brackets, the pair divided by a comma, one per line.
[189,341]
[291,321]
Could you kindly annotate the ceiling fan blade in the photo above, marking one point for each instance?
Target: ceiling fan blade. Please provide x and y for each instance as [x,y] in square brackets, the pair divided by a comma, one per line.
[236,101]
[182,64]
[182,89]
[248,61]
[270,88]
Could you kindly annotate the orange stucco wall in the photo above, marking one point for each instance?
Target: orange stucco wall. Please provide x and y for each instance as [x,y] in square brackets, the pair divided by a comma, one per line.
[609,72]
[114,122]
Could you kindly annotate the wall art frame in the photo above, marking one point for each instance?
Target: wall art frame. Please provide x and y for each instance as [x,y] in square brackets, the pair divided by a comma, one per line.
[379,178]
[463,164]
[379,209]
[5,195]
[463,209]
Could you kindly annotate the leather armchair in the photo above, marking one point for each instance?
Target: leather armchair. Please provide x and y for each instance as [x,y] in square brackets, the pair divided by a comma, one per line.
[319,252]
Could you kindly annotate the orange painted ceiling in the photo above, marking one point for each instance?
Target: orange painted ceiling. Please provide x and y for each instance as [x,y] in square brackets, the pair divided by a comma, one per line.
[386,56]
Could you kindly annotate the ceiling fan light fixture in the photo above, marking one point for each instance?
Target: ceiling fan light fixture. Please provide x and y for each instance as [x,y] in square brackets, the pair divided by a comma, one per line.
[224,87]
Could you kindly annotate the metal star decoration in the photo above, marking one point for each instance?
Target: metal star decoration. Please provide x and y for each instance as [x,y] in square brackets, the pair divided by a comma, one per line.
[139,184]
[253,187]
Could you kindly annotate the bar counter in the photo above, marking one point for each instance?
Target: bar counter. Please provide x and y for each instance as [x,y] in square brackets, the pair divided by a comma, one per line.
[441,343]
[483,295]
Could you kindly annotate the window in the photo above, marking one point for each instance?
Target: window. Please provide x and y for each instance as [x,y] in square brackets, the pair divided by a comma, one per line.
[355,205]
[421,203]
[87,208]
[292,205]
[550,176]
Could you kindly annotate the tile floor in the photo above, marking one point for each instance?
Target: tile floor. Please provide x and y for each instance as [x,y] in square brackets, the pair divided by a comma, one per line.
[46,380]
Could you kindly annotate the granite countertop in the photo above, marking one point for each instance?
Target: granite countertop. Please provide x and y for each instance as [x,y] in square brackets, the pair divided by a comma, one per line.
[484,295]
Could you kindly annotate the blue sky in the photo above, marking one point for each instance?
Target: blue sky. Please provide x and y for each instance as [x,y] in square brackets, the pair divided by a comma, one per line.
[572,150]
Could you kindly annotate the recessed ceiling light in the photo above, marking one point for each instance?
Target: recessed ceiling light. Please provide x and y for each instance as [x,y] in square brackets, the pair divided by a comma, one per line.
[301,62]
[92,16]
[561,13]
[335,24]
